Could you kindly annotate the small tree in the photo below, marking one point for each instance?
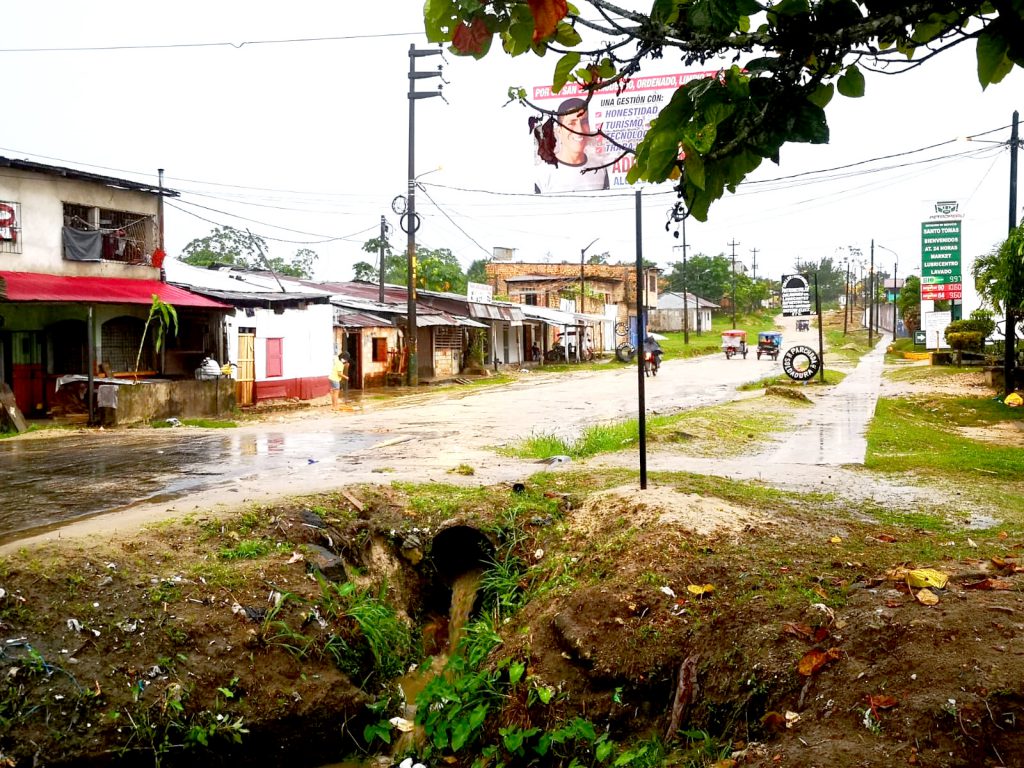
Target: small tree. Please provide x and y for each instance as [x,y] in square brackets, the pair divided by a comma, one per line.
[909,303]
[163,317]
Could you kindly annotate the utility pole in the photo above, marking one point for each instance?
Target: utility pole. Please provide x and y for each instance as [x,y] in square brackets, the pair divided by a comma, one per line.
[733,244]
[754,251]
[412,224]
[895,267]
[871,297]
[846,298]
[380,273]
[1010,336]
[583,255]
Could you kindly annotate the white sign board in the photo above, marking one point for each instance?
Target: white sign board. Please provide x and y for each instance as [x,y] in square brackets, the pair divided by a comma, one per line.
[479,292]
[935,329]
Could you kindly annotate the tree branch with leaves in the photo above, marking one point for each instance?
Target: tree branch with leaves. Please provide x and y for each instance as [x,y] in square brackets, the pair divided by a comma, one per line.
[787,59]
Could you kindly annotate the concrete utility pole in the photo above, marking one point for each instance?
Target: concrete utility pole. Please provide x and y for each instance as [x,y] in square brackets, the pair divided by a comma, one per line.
[412,224]
[733,244]
[755,252]
[871,298]
[380,250]
[846,298]
[1010,336]
[583,255]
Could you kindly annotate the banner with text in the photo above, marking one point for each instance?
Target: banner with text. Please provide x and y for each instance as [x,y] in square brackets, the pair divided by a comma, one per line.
[588,162]
[796,295]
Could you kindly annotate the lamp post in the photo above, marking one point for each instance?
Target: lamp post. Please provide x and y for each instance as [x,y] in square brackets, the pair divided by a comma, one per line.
[581,308]
[895,269]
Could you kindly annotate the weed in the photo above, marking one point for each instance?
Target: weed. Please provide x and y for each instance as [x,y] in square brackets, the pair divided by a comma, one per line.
[462,469]
[247,549]
[164,591]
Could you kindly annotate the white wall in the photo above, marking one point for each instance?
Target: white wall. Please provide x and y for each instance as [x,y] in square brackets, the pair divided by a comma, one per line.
[308,339]
[41,198]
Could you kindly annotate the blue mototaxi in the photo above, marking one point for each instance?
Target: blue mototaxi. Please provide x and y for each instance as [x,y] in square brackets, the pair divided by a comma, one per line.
[769,343]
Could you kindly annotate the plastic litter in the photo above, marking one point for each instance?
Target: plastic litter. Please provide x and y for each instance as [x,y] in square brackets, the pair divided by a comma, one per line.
[173,421]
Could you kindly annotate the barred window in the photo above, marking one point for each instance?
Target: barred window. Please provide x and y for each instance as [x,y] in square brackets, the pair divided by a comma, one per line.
[10,227]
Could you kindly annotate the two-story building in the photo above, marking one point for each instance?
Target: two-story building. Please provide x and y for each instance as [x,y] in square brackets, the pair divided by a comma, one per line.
[79,267]
[606,312]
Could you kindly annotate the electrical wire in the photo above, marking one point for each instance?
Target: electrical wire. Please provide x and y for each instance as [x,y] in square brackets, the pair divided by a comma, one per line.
[349,238]
[217,44]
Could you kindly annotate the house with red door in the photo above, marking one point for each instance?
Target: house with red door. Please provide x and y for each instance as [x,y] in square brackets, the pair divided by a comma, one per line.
[79,267]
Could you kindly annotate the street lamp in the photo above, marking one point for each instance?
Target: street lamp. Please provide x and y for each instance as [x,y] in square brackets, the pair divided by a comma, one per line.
[579,335]
[895,269]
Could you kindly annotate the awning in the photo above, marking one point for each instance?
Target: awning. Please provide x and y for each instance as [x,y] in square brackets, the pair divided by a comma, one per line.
[549,315]
[36,287]
[263,299]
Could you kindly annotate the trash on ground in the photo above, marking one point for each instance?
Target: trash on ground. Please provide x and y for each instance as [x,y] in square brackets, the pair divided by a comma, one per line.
[174,422]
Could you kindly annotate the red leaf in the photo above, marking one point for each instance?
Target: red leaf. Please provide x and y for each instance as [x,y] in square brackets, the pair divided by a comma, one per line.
[472,37]
[888,538]
[802,631]
[546,15]
[815,659]
[990,584]
[882,701]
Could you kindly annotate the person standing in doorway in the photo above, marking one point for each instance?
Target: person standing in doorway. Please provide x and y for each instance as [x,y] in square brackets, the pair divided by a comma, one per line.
[338,378]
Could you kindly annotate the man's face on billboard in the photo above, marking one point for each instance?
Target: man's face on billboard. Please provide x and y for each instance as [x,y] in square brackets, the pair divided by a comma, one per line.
[573,129]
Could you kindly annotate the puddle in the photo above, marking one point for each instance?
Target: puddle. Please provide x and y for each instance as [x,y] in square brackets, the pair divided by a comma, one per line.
[50,482]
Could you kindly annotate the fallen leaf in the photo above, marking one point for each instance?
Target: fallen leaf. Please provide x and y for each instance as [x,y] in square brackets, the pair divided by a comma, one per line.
[802,631]
[972,543]
[700,589]
[999,563]
[990,584]
[882,701]
[820,592]
[893,603]
[821,634]
[888,538]
[815,659]
[774,721]
[927,597]
[727,762]
[836,540]
[926,577]
[1004,535]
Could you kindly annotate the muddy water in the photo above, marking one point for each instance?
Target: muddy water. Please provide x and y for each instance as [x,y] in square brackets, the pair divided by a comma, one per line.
[46,482]
[464,592]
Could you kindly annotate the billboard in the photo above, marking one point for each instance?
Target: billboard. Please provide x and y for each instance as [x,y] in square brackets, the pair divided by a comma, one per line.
[586,161]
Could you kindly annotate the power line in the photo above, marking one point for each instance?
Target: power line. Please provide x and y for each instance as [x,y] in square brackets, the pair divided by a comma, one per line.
[267,237]
[454,224]
[221,44]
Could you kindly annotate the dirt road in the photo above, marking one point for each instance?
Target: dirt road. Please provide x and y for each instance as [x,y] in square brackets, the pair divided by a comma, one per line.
[117,479]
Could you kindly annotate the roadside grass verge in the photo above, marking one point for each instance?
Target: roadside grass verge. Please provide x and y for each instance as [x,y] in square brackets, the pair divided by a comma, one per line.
[719,430]
[832,377]
[201,423]
[708,342]
[919,436]
[849,347]
[923,373]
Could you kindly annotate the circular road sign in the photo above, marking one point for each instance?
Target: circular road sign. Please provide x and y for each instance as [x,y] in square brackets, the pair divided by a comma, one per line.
[801,363]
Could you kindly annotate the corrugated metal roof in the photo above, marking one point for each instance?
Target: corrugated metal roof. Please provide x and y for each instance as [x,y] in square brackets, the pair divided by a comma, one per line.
[352,318]
[71,173]
[263,299]
[33,286]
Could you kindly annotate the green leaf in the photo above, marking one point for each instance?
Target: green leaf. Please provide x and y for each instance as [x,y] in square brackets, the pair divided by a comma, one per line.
[563,69]
[545,693]
[851,83]
[515,672]
[694,165]
[791,8]
[461,731]
[440,19]
[519,37]
[821,95]
[603,750]
[993,62]
[606,69]
[566,35]
[665,11]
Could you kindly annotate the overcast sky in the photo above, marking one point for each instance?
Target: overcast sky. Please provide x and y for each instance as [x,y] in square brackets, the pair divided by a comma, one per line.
[307,140]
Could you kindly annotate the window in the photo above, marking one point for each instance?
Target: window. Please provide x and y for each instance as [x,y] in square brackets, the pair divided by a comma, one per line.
[123,236]
[275,357]
[10,227]
[380,349]
[530,298]
[120,339]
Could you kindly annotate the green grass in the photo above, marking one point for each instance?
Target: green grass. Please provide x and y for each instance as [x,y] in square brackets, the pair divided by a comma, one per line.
[849,347]
[832,378]
[926,372]
[719,430]
[203,423]
[914,435]
[709,341]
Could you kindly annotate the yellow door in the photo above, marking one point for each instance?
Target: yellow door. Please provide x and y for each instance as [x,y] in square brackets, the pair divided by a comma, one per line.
[245,376]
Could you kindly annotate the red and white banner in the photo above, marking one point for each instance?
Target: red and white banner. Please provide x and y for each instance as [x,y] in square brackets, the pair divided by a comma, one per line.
[623,113]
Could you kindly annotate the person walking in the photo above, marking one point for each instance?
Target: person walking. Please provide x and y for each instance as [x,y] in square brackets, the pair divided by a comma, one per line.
[338,378]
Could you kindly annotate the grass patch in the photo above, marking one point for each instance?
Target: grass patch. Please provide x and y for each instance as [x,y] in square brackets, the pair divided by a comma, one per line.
[719,430]
[926,373]
[832,377]
[913,435]
[249,549]
[850,347]
[202,423]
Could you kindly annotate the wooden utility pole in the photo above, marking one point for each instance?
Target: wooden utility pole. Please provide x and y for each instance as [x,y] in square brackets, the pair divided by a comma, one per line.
[733,244]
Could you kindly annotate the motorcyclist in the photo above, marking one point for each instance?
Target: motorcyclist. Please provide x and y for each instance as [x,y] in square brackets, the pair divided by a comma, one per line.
[651,345]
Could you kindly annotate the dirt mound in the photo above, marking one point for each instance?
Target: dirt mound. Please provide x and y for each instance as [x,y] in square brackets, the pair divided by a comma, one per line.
[660,506]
